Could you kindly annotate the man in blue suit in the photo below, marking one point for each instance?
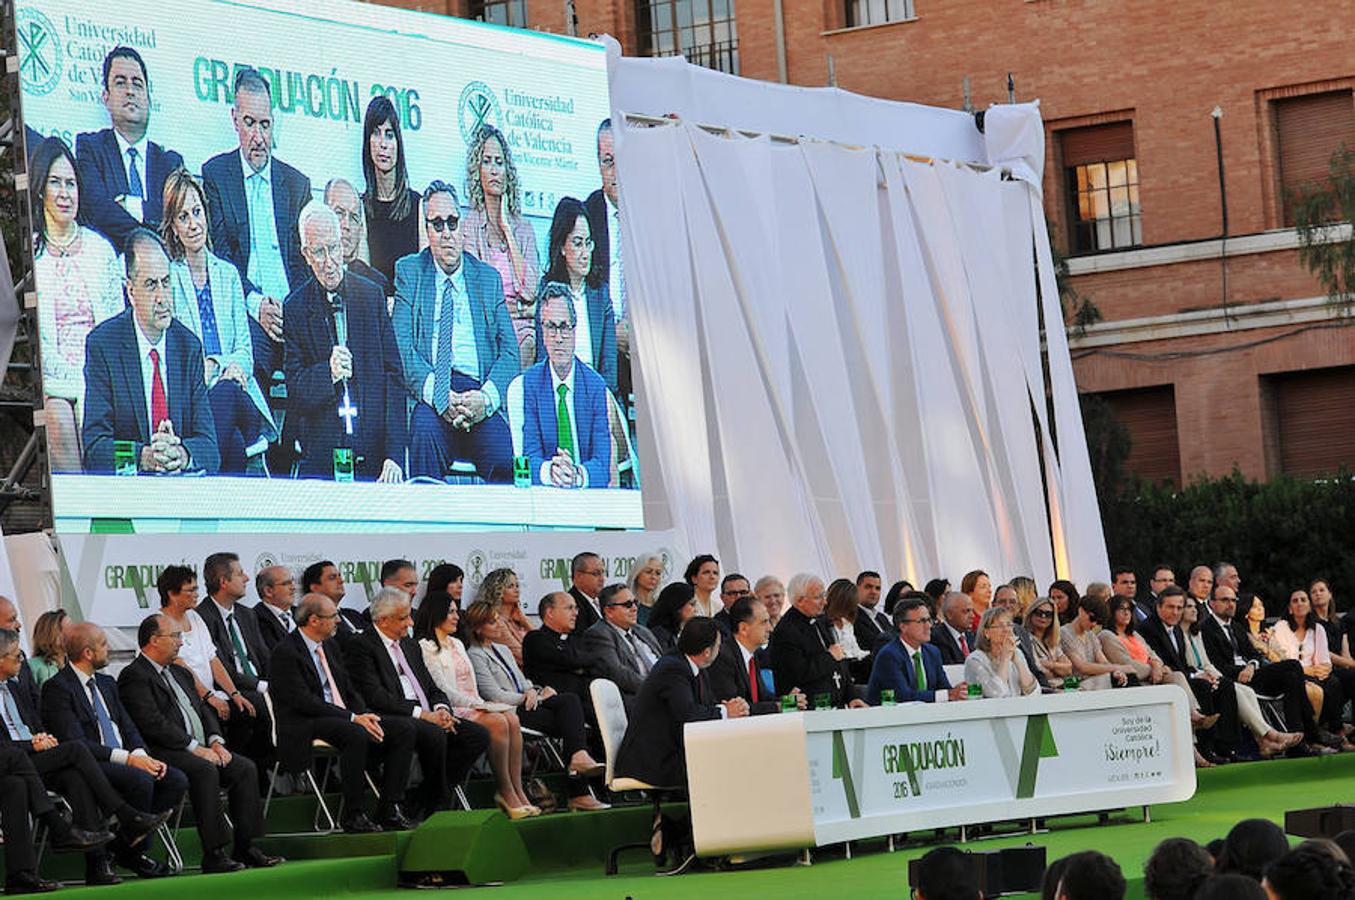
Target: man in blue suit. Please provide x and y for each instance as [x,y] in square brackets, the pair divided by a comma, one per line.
[345,386]
[122,173]
[910,666]
[458,347]
[81,704]
[565,430]
[253,204]
[144,377]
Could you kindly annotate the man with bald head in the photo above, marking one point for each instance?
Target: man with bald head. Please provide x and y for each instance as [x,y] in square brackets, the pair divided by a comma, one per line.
[81,703]
[345,382]
[952,635]
[805,653]
[342,197]
[1225,573]
[276,587]
[552,654]
[1200,585]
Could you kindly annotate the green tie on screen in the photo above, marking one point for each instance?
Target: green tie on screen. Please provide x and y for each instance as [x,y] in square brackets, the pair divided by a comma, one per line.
[565,434]
[919,673]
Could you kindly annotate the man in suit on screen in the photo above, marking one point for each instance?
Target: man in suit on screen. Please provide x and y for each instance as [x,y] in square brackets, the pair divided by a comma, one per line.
[143,377]
[344,380]
[122,172]
[565,431]
[458,347]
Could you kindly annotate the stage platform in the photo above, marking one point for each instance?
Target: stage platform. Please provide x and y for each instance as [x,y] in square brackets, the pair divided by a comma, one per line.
[565,850]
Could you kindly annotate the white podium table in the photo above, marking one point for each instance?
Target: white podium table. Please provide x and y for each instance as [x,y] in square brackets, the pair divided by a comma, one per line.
[804,779]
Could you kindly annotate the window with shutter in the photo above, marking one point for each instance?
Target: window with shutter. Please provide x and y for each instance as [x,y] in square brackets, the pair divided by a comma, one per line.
[1149,415]
[1308,130]
[1102,187]
[1314,419]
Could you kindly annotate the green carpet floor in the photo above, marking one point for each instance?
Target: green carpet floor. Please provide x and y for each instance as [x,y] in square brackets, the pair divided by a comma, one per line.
[566,849]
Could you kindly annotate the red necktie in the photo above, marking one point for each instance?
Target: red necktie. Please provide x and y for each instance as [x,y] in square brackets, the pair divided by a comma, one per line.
[752,678]
[159,405]
[964,646]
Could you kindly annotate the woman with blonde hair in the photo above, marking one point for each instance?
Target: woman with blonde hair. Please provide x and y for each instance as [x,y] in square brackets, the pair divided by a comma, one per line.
[500,589]
[1026,592]
[49,649]
[643,579]
[1042,621]
[997,663]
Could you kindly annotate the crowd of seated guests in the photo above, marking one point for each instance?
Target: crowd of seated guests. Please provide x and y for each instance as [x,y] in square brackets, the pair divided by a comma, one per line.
[1254,862]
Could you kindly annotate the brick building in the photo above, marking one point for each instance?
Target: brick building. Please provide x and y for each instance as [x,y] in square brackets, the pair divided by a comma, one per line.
[1214,350]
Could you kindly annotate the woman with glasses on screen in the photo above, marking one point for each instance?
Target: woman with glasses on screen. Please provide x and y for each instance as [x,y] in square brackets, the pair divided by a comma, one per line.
[570,261]
[393,209]
[496,232]
[79,285]
[210,301]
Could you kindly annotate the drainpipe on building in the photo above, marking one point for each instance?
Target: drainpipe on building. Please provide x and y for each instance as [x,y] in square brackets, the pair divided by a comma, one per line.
[1217,114]
[780,17]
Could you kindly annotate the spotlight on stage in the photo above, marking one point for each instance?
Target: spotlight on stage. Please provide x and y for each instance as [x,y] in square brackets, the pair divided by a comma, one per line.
[1319,821]
[1014,870]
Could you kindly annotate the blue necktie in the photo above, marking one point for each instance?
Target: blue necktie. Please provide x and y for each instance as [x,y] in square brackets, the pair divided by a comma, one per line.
[15,721]
[211,335]
[442,379]
[134,186]
[108,735]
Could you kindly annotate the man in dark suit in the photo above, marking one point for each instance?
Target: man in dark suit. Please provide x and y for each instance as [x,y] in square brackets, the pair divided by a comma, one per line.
[342,197]
[240,647]
[909,665]
[870,622]
[1230,650]
[617,648]
[805,654]
[344,378]
[324,577]
[185,732]
[676,692]
[80,703]
[389,671]
[276,588]
[68,768]
[587,576]
[732,587]
[952,635]
[143,377]
[314,698]
[1124,583]
[604,223]
[458,346]
[552,654]
[253,203]
[736,671]
[566,432]
[122,173]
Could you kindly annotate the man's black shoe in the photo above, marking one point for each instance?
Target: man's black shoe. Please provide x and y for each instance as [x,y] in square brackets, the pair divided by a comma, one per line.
[99,871]
[394,819]
[137,824]
[141,864]
[215,862]
[29,883]
[361,823]
[79,840]
[255,858]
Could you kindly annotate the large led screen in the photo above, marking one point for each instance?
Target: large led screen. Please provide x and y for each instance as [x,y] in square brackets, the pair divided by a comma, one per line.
[324,265]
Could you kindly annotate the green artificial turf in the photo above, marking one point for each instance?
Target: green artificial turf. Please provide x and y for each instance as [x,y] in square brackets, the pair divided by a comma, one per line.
[566,849]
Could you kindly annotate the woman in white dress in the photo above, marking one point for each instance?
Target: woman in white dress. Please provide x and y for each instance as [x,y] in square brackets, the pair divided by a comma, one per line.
[997,663]
[178,587]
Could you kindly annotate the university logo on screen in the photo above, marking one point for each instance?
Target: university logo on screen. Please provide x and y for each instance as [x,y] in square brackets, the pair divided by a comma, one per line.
[75,50]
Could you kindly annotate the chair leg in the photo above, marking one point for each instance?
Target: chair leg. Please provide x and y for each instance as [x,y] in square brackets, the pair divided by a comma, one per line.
[172,854]
[461,798]
[321,807]
[272,787]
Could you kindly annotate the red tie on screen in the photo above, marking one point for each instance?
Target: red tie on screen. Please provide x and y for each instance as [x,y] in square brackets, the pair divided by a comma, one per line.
[159,405]
[964,646]
[752,678]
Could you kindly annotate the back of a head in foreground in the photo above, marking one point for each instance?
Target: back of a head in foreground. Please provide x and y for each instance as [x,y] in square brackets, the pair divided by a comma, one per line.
[1230,887]
[1176,868]
[1310,872]
[947,874]
[1091,875]
[1250,846]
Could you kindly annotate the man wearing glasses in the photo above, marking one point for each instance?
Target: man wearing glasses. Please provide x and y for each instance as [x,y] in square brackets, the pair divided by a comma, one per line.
[344,380]
[561,404]
[617,648]
[458,346]
[910,666]
[342,197]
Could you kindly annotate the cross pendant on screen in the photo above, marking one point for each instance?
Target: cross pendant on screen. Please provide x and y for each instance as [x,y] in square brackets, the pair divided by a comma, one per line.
[348,412]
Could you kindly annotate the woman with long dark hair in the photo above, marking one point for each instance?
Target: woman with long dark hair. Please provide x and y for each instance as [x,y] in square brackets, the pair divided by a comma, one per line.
[392,207]
[1299,635]
[570,261]
[670,612]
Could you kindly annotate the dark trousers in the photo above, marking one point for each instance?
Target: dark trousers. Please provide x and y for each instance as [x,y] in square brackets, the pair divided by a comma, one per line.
[1227,731]
[71,771]
[559,716]
[205,781]
[1285,679]
[238,424]
[142,790]
[21,793]
[1333,700]
[267,353]
[468,744]
[434,444]
[250,735]
[357,751]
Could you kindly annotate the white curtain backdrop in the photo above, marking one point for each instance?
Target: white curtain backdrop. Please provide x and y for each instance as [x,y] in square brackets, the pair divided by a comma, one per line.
[839,345]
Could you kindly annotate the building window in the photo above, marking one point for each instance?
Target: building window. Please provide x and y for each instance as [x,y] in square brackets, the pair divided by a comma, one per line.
[701,30]
[1148,416]
[1308,131]
[877,12]
[1309,417]
[500,12]
[1103,187]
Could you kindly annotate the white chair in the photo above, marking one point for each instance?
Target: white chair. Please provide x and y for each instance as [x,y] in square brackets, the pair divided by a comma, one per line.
[612,721]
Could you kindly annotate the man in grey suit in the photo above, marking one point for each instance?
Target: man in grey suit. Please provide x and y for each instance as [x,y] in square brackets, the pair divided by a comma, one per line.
[458,347]
[617,648]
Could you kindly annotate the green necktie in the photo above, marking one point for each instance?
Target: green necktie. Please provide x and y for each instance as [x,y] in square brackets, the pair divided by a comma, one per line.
[565,439]
[190,715]
[919,673]
[239,646]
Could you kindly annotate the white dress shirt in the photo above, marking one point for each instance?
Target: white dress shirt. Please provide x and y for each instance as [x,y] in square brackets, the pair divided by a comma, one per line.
[938,696]
[135,206]
[465,352]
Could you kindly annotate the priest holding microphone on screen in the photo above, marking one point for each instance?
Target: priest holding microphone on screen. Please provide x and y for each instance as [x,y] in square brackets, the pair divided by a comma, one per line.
[344,380]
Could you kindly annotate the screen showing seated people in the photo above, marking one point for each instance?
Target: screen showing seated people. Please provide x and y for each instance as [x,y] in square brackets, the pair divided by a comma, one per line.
[324,265]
